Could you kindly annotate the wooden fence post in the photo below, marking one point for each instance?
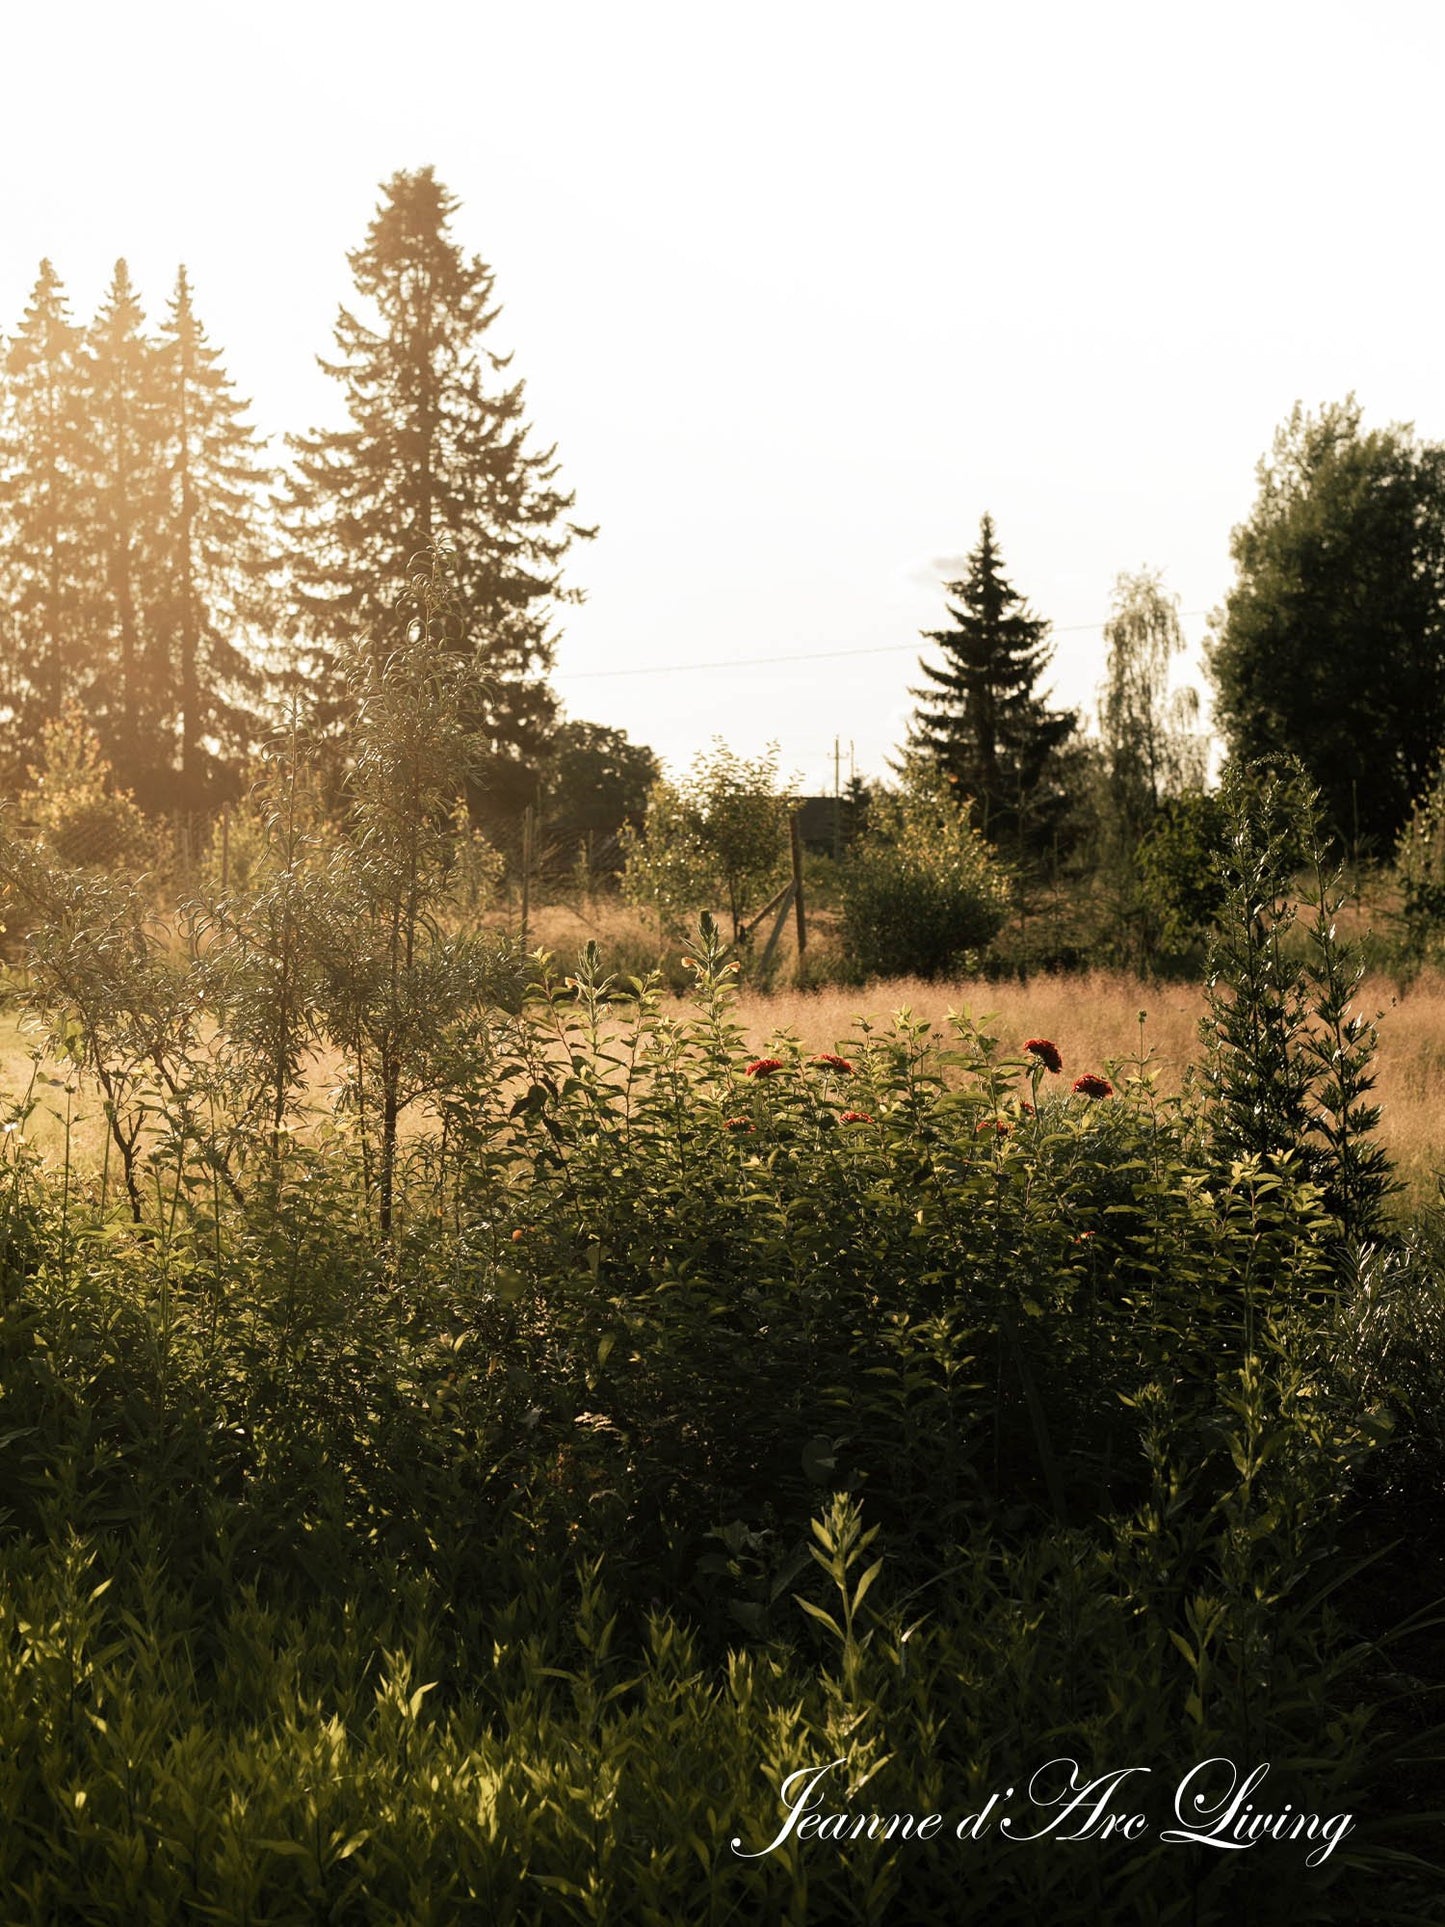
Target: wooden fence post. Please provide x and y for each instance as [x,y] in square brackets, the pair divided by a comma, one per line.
[797,843]
[526,869]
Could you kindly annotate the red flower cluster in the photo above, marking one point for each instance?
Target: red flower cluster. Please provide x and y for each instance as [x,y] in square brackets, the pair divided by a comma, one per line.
[1026,1109]
[1046,1052]
[738,1124]
[1092,1085]
[762,1067]
[999,1125]
[854,1117]
[830,1061]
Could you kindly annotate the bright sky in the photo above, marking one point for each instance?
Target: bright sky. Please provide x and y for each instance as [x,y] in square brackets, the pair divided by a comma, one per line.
[798,290]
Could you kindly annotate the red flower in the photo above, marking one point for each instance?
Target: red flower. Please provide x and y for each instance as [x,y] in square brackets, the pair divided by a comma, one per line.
[762,1067]
[854,1117]
[830,1060]
[1092,1085]
[999,1125]
[1026,1109]
[738,1124]
[1046,1052]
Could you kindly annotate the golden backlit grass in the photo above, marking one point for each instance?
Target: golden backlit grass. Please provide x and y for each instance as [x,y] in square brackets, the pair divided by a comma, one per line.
[1093,1017]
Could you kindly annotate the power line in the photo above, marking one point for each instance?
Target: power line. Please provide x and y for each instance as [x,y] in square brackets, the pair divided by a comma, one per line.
[816,655]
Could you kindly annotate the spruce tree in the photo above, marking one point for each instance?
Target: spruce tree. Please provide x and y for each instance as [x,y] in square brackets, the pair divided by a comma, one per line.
[984,721]
[436,451]
[217,554]
[47,536]
[123,480]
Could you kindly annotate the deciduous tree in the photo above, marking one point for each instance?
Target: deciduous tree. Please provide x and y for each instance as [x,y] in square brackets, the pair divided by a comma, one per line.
[1331,644]
[717,838]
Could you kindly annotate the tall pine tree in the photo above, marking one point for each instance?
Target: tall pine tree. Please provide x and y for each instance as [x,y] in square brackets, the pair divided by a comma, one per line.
[984,722]
[47,539]
[436,451]
[123,480]
[217,554]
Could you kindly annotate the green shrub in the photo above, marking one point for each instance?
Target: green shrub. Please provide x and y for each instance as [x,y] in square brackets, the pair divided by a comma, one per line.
[74,807]
[922,894]
[716,840]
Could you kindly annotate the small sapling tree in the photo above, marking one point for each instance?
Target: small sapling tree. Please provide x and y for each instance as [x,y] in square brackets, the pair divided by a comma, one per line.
[1290,1065]
[394,984]
[716,839]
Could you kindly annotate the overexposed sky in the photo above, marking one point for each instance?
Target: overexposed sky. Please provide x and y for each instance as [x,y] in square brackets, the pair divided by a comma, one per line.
[798,290]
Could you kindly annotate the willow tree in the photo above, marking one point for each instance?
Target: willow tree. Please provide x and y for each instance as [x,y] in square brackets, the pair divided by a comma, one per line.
[1150,737]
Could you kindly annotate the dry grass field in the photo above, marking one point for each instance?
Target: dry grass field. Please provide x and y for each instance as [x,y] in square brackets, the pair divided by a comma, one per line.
[1094,1018]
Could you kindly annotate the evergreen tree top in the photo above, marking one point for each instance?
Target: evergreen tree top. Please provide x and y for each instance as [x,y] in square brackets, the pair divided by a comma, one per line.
[982,719]
[46,331]
[995,635]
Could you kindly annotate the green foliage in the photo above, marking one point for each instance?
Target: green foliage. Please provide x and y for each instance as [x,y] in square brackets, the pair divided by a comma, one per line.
[594,781]
[717,839]
[74,807]
[395,988]
[921,890]
[48,579]
[1150,752]
[1420,872]
[1330,647]
[689,1418]
[1181,866]
[133,562]
[217,558]
[1150,746]
[398,1657]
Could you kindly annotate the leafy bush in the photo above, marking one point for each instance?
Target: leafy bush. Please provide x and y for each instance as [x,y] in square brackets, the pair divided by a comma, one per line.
[1420,872]
[1181,874]
[921,892]
[73,805]
[716,840]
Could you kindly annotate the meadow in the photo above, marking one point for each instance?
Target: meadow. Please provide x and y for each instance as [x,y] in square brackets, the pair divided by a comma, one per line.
[489,1439]
[1095,1015]
[1100,1018]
